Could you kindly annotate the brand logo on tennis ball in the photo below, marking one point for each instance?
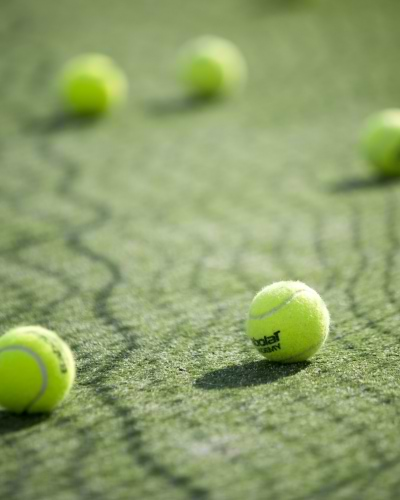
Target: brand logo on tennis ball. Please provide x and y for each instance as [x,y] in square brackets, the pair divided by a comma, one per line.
[264,343]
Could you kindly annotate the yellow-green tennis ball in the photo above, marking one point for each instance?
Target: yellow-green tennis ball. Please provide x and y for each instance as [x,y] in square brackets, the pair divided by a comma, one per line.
[288,322]
[37,370]
[210,66]
[380,142]
[92,84]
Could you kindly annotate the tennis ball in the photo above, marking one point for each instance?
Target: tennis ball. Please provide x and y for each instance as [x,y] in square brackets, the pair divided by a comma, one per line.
[380,142]
[288,322]
[210,66]
[37,370]
[91,84]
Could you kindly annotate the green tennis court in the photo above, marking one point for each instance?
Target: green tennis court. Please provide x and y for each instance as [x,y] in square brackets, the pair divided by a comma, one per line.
[142,237]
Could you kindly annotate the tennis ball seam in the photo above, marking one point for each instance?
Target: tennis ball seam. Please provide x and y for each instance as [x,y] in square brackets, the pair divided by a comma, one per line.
[276,309]
[42,368]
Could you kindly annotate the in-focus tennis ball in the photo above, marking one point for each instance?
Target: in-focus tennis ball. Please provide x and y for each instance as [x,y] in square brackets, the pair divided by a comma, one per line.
[380,142]
[210,66]
[37,370]
[288,322]
[92,84]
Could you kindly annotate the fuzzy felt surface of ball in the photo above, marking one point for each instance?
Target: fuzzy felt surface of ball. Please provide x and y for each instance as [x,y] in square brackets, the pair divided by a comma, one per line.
[288,322]
[91,84]
[380,142]
[37,370]
[210,66]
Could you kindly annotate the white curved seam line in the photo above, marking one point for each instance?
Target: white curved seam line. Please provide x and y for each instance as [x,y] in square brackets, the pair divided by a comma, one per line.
[42,369]
[278,308]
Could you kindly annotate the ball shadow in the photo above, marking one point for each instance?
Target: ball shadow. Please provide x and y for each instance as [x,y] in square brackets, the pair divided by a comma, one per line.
[270,7]
[11,423]
[355,184]
[60,122]
[178,105]
[248,375]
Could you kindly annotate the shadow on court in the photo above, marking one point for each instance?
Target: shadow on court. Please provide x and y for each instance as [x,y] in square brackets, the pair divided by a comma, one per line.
[359,184]
[10,423]
[179,105]
[60,122]
[247,375]
[269,7]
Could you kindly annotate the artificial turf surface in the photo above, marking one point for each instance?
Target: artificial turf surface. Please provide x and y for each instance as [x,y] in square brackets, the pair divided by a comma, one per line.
[142,238]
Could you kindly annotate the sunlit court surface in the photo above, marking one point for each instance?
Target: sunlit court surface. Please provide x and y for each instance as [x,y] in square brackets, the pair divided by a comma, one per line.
[161,162]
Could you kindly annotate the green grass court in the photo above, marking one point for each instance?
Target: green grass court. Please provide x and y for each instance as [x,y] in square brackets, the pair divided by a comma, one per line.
[141,238]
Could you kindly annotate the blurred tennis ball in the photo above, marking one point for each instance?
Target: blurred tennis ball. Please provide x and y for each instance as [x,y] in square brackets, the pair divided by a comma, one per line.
[210,66]
[91,84]
[380,142]
[37,370]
